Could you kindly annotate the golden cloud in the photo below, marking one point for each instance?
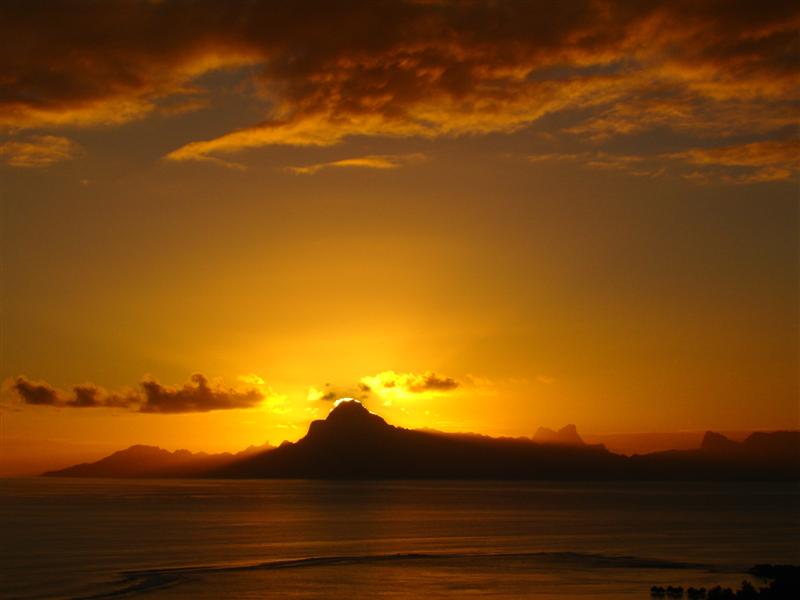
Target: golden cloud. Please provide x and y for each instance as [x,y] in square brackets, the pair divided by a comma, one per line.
[38,151]
[756,154]
[774,160]
[390,384]
[755,162]
[639,166]
[373,161]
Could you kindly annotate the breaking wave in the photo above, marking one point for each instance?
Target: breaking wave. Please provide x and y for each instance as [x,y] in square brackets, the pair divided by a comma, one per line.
[132,583]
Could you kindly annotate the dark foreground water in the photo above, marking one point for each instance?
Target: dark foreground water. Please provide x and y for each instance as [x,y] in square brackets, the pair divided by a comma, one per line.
[62,538]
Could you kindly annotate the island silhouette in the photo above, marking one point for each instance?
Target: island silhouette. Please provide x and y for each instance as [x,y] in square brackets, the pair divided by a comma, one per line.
[354,443]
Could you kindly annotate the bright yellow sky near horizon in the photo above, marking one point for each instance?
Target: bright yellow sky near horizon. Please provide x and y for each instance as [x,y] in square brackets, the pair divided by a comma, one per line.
[494,216]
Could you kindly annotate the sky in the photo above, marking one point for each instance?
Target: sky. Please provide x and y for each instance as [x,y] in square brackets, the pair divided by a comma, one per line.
[218,218]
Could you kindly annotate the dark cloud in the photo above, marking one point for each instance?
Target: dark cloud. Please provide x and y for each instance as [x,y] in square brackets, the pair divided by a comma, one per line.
[86,396]
[40,394]
[328,70]
[331,393]
[432,382]
[197,395]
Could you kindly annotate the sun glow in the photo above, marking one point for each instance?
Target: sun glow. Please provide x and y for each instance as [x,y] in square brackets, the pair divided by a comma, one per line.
[340,400]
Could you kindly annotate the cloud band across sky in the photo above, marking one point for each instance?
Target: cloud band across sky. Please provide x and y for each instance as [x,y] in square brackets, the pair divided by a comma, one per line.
[196,395]
[327,71]
[200,395]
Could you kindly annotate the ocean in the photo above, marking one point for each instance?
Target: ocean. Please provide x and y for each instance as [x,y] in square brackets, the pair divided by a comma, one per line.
[221,539]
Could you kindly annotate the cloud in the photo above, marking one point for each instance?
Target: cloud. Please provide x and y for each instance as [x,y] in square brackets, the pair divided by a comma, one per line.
[330,393]
[639,166]
[252,379]
[86,396]
[37,151]
[390,383]
[197,395]
[774,160]
[374,161]
[36,393]
[106,63]
[755,162]
[326,71]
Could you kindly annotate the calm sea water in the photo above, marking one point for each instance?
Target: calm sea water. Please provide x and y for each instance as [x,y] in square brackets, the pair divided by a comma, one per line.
[66,538]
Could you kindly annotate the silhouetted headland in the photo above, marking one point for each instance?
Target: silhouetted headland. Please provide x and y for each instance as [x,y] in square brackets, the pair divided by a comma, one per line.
[353,443]
[783,584]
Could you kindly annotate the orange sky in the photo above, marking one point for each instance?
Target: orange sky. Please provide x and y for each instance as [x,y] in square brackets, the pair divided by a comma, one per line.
[494,216]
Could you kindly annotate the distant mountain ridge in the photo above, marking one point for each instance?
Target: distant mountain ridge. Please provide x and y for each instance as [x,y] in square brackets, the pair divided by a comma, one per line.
[151,461]
[761,455]
[353,443]
[647,442]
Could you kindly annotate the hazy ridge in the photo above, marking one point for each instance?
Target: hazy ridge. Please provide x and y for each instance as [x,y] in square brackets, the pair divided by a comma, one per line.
[353,443]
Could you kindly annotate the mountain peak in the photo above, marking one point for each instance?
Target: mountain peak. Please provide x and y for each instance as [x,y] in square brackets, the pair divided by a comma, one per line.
[347,408]
[566,436]
[716,442]
[349,415]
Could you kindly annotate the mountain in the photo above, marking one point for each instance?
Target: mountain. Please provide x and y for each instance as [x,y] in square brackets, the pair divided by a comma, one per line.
[761,455]
[647,442]
[566,436]
[353,443]
[142,461]
[716,443]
